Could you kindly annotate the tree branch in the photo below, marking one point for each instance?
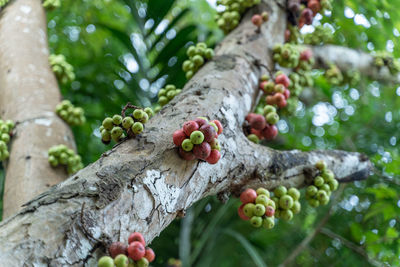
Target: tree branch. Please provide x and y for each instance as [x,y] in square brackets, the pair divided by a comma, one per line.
[142,184]
[347,59]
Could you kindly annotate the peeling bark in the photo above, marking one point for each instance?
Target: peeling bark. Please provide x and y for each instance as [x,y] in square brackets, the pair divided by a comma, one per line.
[29,94]
[347,59]
[142,184]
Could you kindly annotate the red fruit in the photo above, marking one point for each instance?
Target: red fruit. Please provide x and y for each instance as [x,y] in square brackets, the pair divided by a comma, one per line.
[287,35]
[282,103]
[269,211]
[250,116]
[258,133]
[200,121]
[257,20]
[202,151]
[186,155]
[149,254]
[270,132]
[219,125]
[258,122]
[314,5]
[117,248]
[262,84]
[136,250]
[208,131]
[286,93]
[241,213]
[178,137]
[270,99]
[214,157]
[248,196]
[136,236]
[306,55]
[189,127]
[307,16]
[282,79]
[279,97]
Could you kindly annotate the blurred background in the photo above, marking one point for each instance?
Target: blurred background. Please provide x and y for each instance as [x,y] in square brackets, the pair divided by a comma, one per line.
[126,50]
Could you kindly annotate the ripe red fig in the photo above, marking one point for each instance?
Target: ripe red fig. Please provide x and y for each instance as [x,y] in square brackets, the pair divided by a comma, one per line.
[117,248]
[219,125]
[200,121]
[270,100]
[270,132]
[258,122]
[286,93]
[149,254]
[307,16]
[257,20]
[248,196]
[178,137]
[250,116]
[214,157]
[314,5]
[262,85]
[189,127]
[136,250]
[282,79]
[241,213]
[136,236]
[306,55]
[208,132]
[257,133]
[186,155]
[202,151]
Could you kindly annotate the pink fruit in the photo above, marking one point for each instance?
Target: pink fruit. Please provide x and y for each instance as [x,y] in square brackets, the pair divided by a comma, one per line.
[307,16]
[248,196]
[282,79]
[241,213]
[262,85]
[219,125]
[214,157]
[270,132]
[149,254]
[136,250]
[258,122]
[208,132]
[270,100]
[136,236]
[282,103]
[189,127]
[306,55]
[202,151]
[314,5]
[186,155]
[257,20]
[286,93]
[250,116]
[178,137]
[257,133]
[200,121]
[117,248]
[269,211]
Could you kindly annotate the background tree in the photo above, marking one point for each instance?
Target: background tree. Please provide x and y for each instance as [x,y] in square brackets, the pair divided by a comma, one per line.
[120,55]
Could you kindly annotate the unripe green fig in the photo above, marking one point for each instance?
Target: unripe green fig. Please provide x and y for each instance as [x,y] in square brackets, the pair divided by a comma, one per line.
[327,175]
[127,122]
[262,191]
[116,133]
[108,123]
[259,210]
[311,191]
[280,191]
[187,145]
[256,221]
[296,208]
[149,111]
[318,181]
[286,215]
[138,114]
[268,223]
[143,262]
[326,188]
[145,118]
[272,118]
[248,210]
[105,261]
[137,128]
[117,119]
[320,165]
[121,260]
[253,138]
[294,193]
[196,137]
[262,199]
[198,60]
[5,137]
[286,202]
[333,184]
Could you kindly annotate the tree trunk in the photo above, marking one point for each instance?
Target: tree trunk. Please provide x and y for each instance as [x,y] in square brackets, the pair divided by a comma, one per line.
[29,94]
[142,184]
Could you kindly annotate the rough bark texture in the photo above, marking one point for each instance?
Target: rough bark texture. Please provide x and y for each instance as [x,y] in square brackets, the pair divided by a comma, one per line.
[142,184]
[347,59]
[29,94]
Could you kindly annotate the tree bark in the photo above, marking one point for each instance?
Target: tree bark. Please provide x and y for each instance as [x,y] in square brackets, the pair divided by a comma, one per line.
[29,94]
[142,184]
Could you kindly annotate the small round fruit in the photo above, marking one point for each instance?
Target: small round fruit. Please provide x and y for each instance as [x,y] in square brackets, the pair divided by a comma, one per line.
[286,215]
[241,213]
[201,121]
[214,157]
[202,151]
[326,188]
[257,20]
[117,119]
[121,260]
[328,175]
[253,138]
[256,221]
[138,114]
[333,184]
[320,165]
[209,132]
[286,202]
[311,191]
[262,191]
[219,126]
[189,127]
[197,137]
[187,145]
[117,248]
[105,261]
[268,223]
[280,191]
[282,79]
[262,199]
[136,250]
[248,196]
[270,132]
[272,118]
[271,203]
[318,181]
[269,211]
[296,208]
[259,210]
[143,262]
[150,255]
[294,193]
[136,236]
[127,122]
[149,111]
[248,209]
[137,128]
[198,60]
[186,155]
[178,137]
[313,203]
[258,122]
[108,123]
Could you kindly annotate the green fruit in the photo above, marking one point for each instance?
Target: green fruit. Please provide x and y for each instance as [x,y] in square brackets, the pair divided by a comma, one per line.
[170,94]
[286,215]
[333,184]
[121,261]
[269,109]
[105,261]
[170,87]
[138,113]
[278,213]
[262,191]
[259,210]
[149,111]
[313,203]
[294,193]
[286,202]
[328,175]
[256,221]
[253,138]
[189,74]
[272,118]
[311,191]
[187,145]
[320,165]
[280,191]
[296,208]
[209,53]
[268,223]
[117,119]
[186,66]
[197,137]
[127,122]
[162,92]
[5,137]
[215,126]
[108,123]
[53,161]
[137,128]
[319,181]
[63,158]
[326,188]
[145,118]
[191,51]
[248,209]
[324,200]
[116,133]
[143,262]
[198,60]
[10,124]
[271,203]
[262,199]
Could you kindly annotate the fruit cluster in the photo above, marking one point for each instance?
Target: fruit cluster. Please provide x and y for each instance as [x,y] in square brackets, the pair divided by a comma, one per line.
[320,35]
[5,135]
[133,124]
[134,254]
[61,154]
[259,19]
[198,139]
[229,18]
[334,75]
[70,114]
[51,4]
[263,126]
[198,55]
[165,95]
[286,55]
[324,184]
[286,202]
[384,58]
[257,207]
[307,9]
[63,70]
